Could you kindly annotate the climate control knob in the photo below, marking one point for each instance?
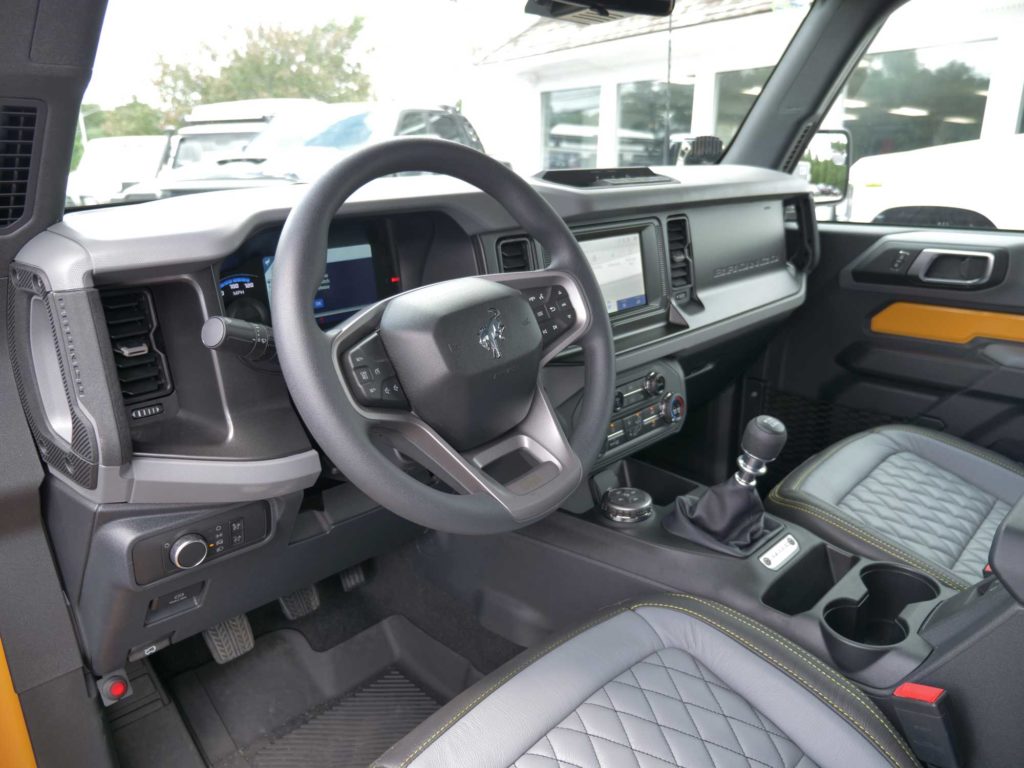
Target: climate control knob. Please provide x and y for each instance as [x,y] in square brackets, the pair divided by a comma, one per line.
[673,408]
[189,551]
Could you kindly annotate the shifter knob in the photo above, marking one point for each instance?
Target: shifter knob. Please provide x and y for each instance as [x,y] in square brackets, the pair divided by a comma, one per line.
[762,442]
[764,438]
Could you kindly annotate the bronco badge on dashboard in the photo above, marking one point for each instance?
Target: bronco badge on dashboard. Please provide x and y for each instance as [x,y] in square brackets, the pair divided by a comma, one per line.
[493,333]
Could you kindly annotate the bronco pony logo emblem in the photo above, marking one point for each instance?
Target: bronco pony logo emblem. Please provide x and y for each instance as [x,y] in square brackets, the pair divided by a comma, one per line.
[493,333]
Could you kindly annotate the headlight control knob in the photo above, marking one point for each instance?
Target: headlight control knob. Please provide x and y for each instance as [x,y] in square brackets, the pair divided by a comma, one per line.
[189,551]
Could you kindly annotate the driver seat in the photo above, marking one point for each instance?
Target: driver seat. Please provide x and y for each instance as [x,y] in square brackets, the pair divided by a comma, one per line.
[675,680]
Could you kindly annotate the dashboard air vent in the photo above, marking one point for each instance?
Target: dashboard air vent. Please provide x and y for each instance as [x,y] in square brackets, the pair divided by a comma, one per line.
[17,132]
[514,254]
[680,258]
[131,323]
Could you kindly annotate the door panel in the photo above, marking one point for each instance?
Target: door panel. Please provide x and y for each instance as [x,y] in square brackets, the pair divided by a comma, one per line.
[879,342]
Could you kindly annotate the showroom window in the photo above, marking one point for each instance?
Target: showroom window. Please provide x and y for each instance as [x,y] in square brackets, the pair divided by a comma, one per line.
[644,134]
[737,91]
[933,111]
[910,99]
[570,127]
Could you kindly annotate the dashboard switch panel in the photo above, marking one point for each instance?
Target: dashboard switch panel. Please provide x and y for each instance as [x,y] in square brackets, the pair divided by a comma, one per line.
[200,543]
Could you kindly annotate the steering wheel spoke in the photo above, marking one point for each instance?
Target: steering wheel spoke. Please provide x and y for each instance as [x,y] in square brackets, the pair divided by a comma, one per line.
[519,471]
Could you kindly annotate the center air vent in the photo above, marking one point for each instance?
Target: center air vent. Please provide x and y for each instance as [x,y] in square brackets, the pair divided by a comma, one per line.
[17,132]
[680,258]
[514,254]
[141,366]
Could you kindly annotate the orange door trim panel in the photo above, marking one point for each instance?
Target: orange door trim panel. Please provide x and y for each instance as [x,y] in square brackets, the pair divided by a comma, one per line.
[15,746]
[950,324]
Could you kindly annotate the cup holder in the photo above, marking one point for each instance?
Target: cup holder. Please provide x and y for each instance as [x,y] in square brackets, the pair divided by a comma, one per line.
[875,620]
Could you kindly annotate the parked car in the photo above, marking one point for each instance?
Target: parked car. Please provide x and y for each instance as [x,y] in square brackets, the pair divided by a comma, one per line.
[223,129]
[301,143]
[911,188]
[112,164]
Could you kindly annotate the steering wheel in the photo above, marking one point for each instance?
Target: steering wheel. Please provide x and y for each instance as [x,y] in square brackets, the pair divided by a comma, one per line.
[447,375]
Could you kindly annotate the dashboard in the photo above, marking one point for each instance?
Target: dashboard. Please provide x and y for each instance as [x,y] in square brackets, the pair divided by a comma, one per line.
[154,442]
[360,271]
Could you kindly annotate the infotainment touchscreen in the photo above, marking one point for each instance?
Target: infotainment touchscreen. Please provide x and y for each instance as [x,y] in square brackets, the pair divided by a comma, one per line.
[618,264]
[348,285]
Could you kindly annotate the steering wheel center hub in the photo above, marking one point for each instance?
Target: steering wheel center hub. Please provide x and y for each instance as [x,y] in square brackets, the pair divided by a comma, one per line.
[468,354]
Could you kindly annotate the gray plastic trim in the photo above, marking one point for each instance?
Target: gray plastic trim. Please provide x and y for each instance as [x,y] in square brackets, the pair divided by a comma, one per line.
[189,232]
[173,480]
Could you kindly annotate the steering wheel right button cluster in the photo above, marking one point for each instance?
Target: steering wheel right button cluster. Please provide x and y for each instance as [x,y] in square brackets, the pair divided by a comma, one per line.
[371,375]
[553,310]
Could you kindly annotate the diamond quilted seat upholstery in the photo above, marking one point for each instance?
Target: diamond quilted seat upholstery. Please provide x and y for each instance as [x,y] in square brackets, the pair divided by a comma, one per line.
[675,680]
[668,709]
[903,493]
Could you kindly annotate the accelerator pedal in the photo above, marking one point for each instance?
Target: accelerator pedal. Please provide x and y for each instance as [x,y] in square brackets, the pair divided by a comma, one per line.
[300,603]
[229,639]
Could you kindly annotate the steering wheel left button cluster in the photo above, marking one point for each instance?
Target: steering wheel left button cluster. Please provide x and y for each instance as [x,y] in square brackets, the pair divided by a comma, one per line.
[371,375]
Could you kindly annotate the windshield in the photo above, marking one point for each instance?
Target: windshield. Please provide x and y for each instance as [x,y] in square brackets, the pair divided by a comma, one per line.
[338,128]
[535,93]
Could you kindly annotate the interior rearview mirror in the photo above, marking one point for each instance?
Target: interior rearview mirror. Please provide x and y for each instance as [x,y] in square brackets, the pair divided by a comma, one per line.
[825,165]
[589,11]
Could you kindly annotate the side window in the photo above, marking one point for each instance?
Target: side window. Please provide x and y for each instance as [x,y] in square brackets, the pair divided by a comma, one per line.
[934,116]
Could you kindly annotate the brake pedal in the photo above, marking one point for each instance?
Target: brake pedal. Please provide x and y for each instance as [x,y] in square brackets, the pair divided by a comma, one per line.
[300,603]
[229,639]
[353,577]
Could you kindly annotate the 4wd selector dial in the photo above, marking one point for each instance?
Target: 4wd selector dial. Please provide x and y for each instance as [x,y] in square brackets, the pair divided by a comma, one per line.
[189,551]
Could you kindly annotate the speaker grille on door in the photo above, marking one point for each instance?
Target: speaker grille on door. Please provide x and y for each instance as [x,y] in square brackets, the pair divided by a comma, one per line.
[141,367]
[17,134]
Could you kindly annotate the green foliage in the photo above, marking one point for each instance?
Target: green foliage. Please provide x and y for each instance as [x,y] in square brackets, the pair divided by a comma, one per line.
[273,62]
[131,119]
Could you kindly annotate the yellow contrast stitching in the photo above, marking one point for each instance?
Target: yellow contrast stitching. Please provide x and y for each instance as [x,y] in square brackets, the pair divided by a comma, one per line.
[807,684]
[807,657]
[963,446]
[497,684]
[887,547]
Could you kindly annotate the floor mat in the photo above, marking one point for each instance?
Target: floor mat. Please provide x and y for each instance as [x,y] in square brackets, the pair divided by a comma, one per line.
[355,730]
[285,704]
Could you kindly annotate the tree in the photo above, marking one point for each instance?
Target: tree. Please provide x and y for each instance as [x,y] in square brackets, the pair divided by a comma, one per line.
[131,119]
[273,62]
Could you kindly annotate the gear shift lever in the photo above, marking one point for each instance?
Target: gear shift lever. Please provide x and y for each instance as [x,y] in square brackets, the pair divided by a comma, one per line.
[729,517]
[762,442]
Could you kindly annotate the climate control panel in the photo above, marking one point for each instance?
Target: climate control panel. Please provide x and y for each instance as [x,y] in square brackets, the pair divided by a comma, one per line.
[647,403]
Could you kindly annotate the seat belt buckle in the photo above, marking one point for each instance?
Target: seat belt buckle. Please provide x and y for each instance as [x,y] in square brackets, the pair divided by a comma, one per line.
[926,721]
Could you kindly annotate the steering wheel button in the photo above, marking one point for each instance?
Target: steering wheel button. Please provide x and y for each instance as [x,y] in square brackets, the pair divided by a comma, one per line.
[393,393]
[540,312]
[382,371]
[363,375]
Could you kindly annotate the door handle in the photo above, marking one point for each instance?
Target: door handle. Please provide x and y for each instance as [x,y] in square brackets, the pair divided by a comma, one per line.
[942,266]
